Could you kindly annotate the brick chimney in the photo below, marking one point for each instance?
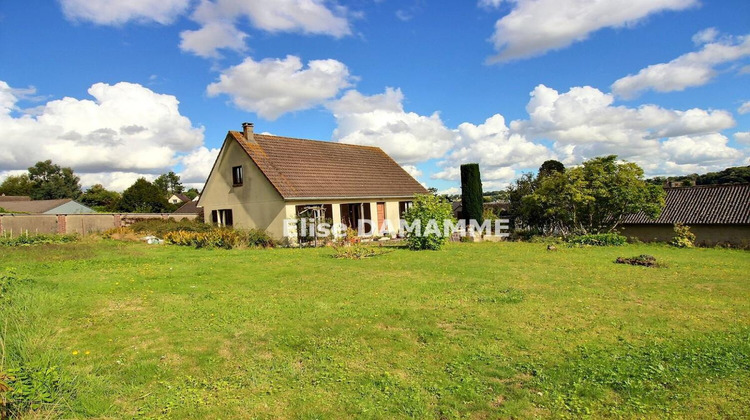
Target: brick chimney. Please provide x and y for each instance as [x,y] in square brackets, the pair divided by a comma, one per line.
[247,131]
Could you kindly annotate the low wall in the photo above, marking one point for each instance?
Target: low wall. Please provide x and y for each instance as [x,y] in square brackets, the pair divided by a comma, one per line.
[737,235]
[18,224]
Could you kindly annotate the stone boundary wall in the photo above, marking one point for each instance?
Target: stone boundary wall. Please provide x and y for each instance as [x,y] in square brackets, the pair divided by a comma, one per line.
[19,224]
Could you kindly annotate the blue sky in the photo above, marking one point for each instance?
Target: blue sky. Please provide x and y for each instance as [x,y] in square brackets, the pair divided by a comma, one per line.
[119,90]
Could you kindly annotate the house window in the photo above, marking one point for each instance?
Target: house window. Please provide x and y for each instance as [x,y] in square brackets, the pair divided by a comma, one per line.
[403,206]
[237,176]
[222,218]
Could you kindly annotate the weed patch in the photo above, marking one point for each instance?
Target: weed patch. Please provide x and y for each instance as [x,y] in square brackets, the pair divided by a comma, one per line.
[42,238]
[639,379]
[643,260]
[357,252]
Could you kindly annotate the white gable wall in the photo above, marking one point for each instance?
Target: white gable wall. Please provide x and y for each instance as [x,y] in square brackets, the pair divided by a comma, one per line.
[255,204]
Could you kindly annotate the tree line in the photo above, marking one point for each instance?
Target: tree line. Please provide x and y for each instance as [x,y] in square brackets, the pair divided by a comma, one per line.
[48,181]
[733,175]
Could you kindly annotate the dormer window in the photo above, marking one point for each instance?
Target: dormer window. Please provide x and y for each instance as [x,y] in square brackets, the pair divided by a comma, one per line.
[237,176]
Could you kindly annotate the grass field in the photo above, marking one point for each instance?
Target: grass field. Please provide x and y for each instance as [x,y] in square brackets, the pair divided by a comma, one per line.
[113,329]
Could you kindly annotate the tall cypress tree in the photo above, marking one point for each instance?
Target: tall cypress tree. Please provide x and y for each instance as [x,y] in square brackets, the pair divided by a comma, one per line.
[471,192]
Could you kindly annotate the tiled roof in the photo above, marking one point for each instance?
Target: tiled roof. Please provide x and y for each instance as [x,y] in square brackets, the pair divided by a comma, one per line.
[183,198]
[4,198]
[300,168]
[34,206]
[705,204]
[191,207]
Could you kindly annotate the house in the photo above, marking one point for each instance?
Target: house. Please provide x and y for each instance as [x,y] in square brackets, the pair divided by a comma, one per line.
[4,198]
[259,180]
[191,207]
[60,206]
[178,199]
[716,214]
[500,207]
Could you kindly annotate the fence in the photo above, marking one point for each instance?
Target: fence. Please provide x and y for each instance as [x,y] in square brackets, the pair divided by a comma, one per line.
[17,224]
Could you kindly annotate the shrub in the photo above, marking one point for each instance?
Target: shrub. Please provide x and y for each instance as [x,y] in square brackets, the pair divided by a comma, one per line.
[428,208]
[225,238]
[36,239]
[259,238]
[598,239]
[160,227]
[683,238]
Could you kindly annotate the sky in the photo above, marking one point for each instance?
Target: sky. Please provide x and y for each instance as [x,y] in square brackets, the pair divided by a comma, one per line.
[119,90]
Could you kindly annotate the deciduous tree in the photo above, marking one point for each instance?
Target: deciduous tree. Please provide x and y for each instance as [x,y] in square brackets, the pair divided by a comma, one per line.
[50,181]
[16,185]
[143,197]
[100,199]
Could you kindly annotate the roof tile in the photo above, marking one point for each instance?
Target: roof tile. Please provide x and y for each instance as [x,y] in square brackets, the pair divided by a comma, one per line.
[704,204]
[300,168]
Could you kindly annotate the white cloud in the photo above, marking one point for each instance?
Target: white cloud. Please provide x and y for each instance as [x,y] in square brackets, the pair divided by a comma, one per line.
[218,20]
[412,170]
[107,12]
[196,166]
[744,108]
[450,191]
[705,36]
[705,150]
[212,36]
[498,152]
[272,87]
[126,129]
[536,26]
[380,120]
[688,70]
[116,181]
[742,137]
[584,123]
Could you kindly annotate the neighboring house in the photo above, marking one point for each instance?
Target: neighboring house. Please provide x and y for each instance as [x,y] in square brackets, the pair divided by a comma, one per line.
[259,180]
[197,197]
[178,198]
[60,206]
[191,207]
[716,214]
[497,207]
[4,198]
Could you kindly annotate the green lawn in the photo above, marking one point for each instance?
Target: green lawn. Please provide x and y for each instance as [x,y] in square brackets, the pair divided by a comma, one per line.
[475,330]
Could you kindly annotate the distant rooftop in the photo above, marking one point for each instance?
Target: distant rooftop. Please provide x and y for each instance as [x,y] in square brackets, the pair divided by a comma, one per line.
[703,204]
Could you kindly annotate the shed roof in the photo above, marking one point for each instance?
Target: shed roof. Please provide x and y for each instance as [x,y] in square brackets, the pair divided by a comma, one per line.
[191,207]
[5,198]
[704,204]
[34,206]
[300,168]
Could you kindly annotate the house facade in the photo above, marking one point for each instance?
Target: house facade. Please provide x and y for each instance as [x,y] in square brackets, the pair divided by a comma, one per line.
[178,199]
[263,181]
[716,214]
